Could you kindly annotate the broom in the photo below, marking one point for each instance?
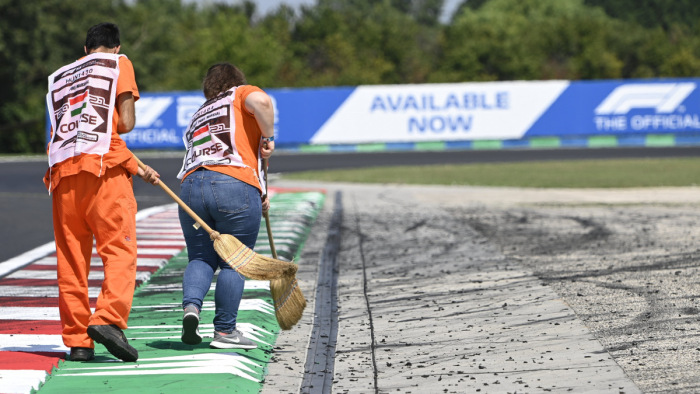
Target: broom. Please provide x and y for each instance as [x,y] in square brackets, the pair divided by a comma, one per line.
[240,257]
[287,296]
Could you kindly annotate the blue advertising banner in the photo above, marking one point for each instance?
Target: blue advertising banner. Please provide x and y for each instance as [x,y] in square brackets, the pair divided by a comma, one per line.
[459,114]
[623,107]
[162,118]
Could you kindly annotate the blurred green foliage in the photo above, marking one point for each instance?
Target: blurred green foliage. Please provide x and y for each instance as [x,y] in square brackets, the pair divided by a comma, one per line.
[341,43]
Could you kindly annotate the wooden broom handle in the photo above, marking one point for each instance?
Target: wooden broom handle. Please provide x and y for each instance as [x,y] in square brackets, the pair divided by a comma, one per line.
[267,215]
[179,201]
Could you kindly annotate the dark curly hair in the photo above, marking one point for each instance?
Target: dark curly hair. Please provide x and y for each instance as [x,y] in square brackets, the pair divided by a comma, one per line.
[220,78]
[104,34]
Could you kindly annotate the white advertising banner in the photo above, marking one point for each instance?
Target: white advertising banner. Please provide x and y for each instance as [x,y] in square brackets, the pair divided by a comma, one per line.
[439,112]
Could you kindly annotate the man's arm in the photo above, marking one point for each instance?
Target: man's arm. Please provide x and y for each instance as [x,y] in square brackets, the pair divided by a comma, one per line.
[127,113]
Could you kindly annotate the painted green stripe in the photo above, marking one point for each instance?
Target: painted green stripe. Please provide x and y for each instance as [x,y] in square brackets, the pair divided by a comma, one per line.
[602,141]
[371,147]
[533,142]
[315,148]
[487,144]
[660,140]
[78,110]
[430,145]
[202,141]
[154,331]
[166,364]
[545,142]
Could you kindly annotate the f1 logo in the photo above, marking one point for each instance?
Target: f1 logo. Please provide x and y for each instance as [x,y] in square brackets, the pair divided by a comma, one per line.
[662,97]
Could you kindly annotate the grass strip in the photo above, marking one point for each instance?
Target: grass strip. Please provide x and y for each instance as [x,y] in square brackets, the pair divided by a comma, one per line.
[616,173]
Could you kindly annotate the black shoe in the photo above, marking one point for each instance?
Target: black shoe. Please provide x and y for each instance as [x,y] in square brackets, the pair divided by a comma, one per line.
[81,354]
[113,338]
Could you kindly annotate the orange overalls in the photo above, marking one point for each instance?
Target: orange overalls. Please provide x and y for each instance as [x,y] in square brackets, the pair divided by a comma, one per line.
[93,195]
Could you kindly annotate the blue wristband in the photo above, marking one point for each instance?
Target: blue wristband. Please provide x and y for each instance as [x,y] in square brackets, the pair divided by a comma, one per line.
[268,139]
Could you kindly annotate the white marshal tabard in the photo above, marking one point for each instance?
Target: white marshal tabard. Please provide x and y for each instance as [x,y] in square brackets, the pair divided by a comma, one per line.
[81,102]
[210,136]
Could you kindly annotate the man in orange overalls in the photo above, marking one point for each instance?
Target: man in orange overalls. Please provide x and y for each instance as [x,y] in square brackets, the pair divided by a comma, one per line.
[91,102]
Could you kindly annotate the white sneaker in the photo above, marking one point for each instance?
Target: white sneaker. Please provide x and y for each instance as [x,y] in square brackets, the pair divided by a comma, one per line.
[234,340]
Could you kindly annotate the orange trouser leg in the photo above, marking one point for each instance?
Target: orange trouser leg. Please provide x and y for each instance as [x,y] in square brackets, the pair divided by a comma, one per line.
[112,217]
[73,251]
[107,207]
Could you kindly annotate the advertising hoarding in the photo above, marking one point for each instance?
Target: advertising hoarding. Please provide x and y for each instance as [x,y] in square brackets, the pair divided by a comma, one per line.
[472,111]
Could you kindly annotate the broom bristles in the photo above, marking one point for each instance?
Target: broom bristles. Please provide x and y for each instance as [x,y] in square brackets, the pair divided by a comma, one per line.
[289,301]
[250,264]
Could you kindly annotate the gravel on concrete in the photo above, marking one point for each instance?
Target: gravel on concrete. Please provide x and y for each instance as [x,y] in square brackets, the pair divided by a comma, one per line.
[475,289]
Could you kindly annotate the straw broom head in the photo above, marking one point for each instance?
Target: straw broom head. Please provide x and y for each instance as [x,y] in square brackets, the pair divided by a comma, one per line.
[289,301]
[286,294]
[248,263]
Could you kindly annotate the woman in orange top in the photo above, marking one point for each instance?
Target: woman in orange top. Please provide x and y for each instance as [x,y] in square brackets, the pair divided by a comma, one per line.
[221,183]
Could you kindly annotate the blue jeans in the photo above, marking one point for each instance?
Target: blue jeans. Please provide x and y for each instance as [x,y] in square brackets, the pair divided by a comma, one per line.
[229,206]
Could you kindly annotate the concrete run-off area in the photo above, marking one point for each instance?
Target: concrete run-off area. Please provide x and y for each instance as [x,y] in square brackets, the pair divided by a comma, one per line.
[498,290]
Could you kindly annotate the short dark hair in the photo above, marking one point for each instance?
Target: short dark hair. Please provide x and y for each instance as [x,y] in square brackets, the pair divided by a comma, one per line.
[220,78]
[103,34]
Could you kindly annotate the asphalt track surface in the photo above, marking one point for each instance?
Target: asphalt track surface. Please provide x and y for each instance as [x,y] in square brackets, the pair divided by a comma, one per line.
[25,206]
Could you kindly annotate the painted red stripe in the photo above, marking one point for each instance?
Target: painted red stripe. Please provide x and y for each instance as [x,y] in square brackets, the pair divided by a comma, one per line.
[37,361]
[28,282]
[46,282]
[78,98]
[46,267]
[35,327]
[156,256]
[36,302]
